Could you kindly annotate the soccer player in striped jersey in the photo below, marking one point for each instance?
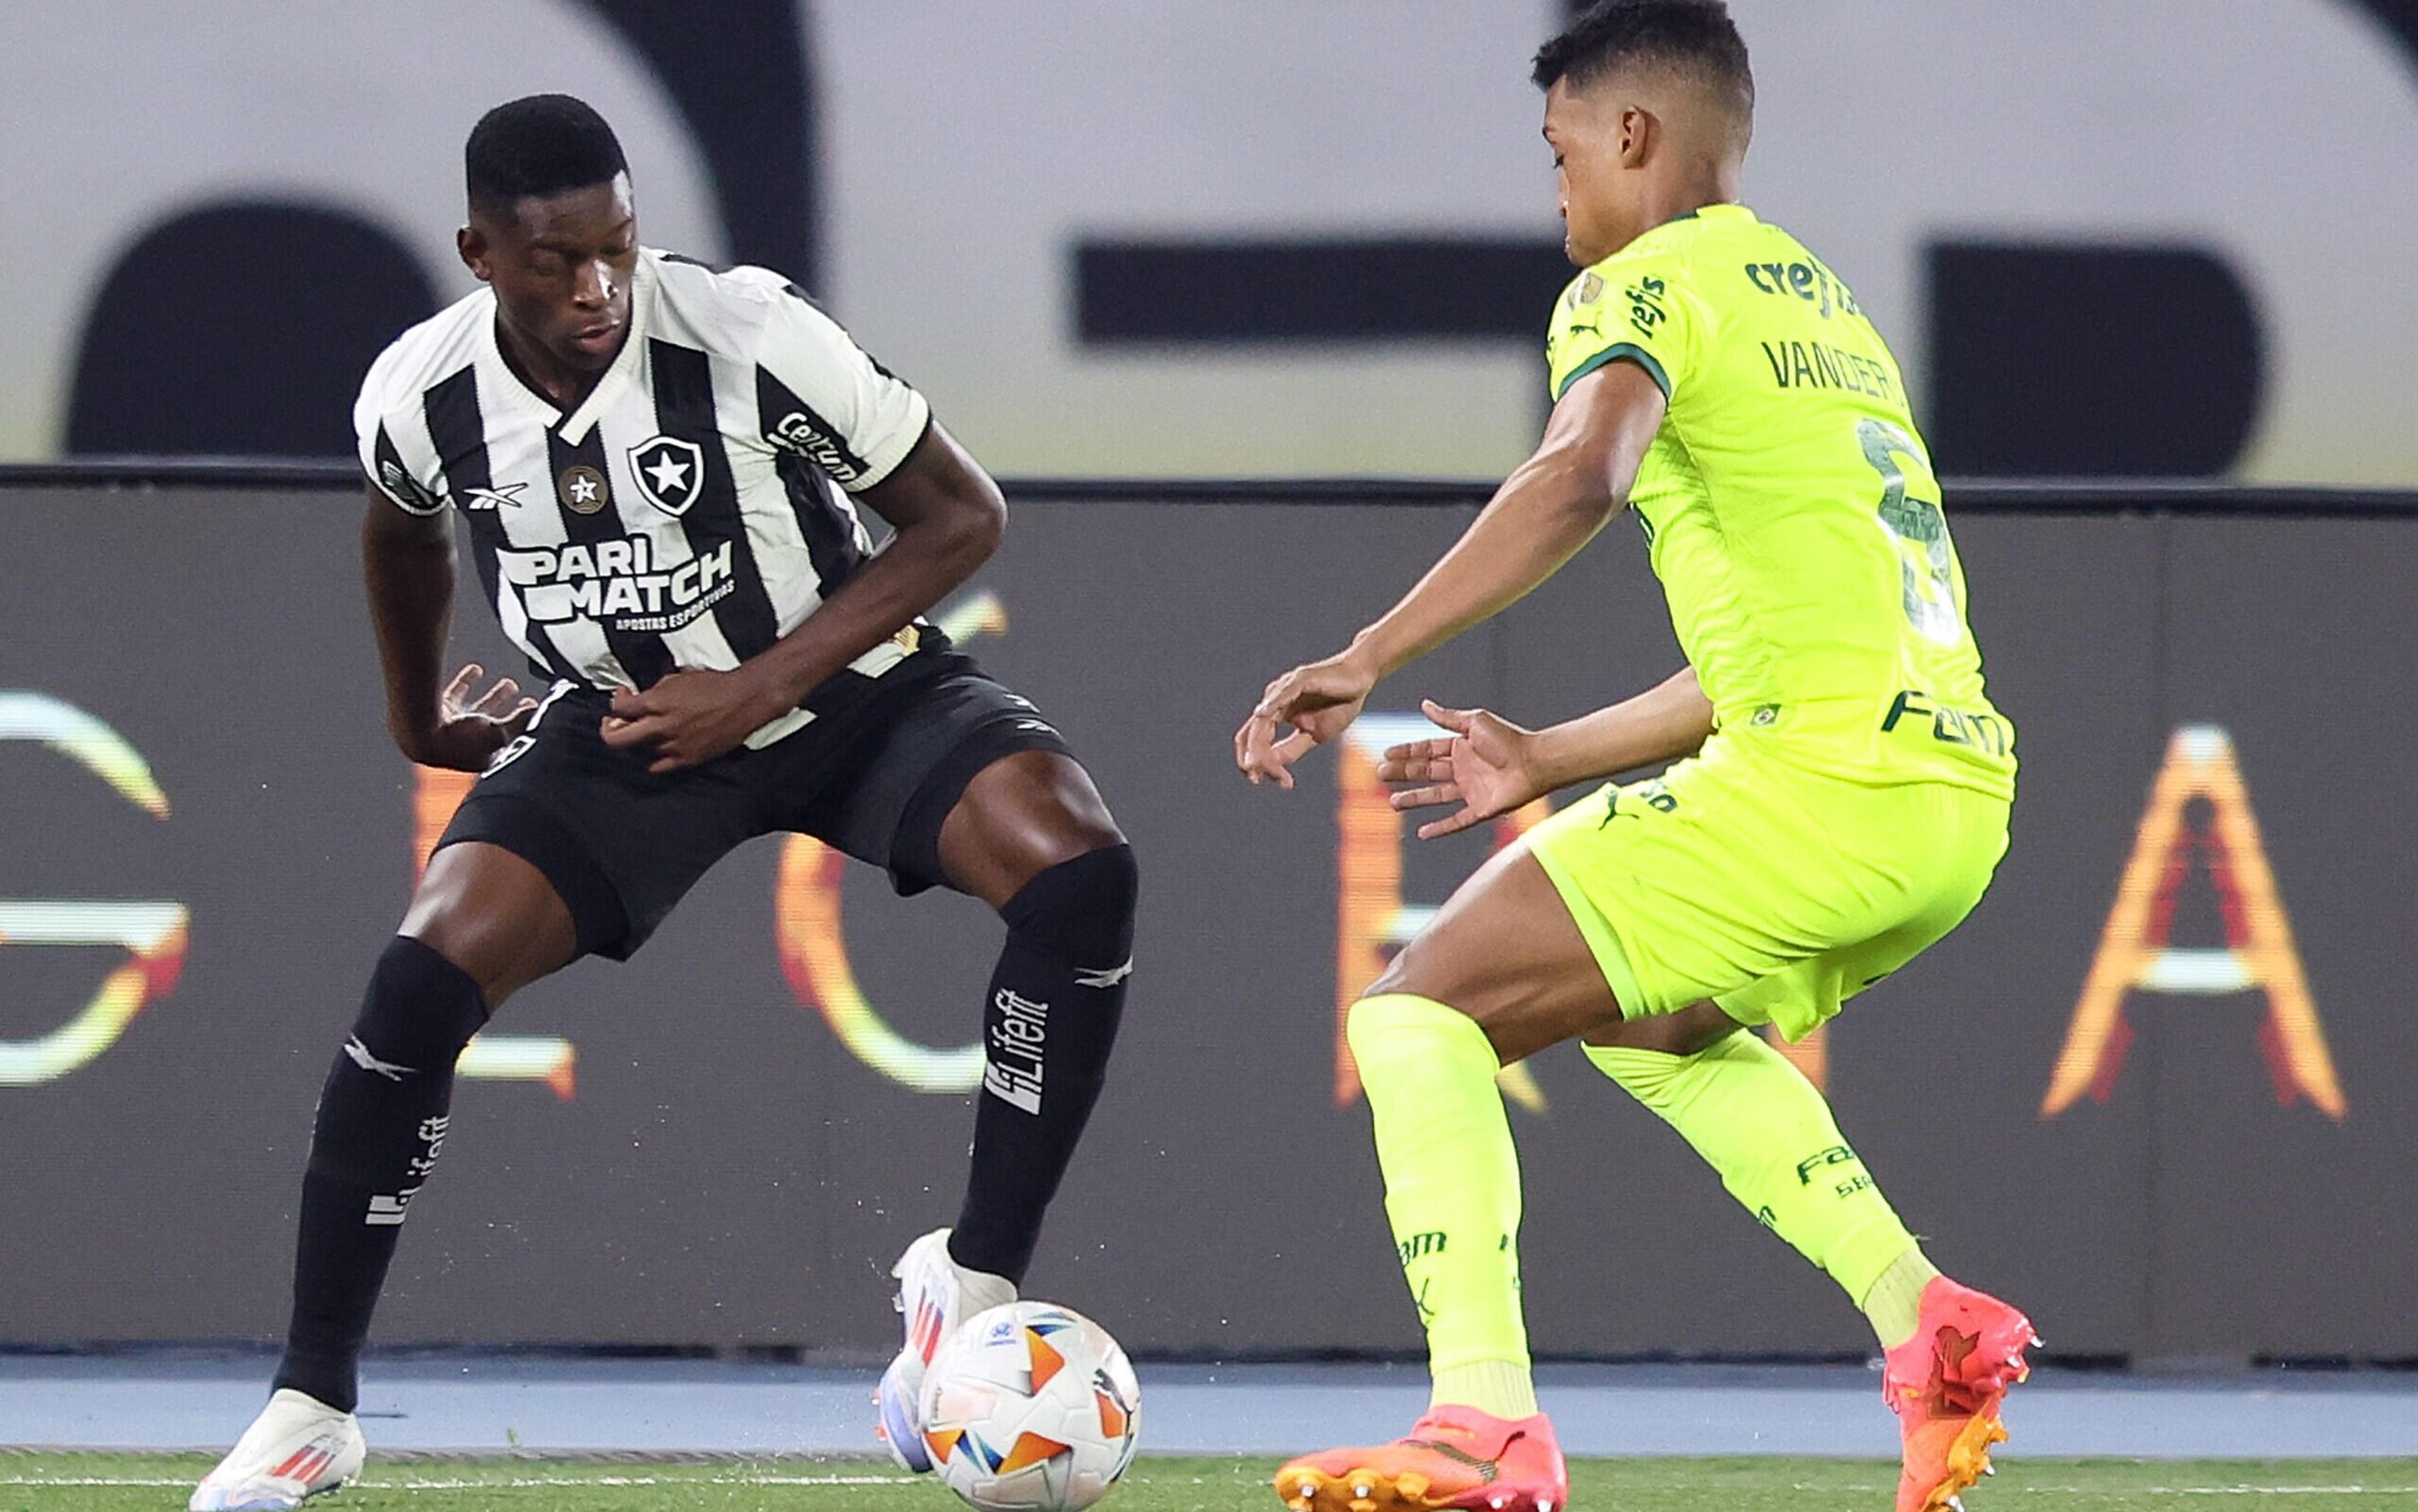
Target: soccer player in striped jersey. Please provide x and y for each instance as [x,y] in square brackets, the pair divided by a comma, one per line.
[658,466]
[1839,803]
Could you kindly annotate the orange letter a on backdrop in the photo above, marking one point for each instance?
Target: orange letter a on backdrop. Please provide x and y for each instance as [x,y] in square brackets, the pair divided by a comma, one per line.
[2135,954]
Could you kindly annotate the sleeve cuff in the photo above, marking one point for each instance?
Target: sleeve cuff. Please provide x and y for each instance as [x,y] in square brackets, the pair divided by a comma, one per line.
[1631,350]
[882,462]
[427,511]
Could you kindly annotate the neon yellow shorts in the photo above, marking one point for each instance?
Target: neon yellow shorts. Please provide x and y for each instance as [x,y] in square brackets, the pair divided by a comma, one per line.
[1775,891]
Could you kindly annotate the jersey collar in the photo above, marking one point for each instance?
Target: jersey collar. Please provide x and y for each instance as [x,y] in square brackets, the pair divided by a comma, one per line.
[574,426]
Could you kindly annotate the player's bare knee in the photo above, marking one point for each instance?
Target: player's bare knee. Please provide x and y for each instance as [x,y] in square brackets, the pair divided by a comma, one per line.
[502,950]
[1060,837]
[1022,817]
[494,915]
[1517,1017]
[1053,805]
[1407,975]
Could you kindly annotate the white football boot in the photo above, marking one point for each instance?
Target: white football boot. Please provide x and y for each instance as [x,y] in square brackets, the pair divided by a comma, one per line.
[935,1295]
[297,1446]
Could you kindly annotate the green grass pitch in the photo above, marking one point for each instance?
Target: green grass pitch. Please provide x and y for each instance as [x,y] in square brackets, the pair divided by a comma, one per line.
[121,1482]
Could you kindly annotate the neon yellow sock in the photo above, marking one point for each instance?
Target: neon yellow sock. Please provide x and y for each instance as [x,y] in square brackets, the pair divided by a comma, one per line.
[1894,1304]
[1760,1123]
[1452,1194]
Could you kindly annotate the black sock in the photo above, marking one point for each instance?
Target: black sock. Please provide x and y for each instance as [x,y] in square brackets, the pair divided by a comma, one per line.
[381,1121]
[1049,1025]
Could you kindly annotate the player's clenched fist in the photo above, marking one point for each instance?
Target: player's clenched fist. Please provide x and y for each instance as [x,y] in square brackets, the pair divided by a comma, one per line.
[1488,765]
[1319,701]
[689,717]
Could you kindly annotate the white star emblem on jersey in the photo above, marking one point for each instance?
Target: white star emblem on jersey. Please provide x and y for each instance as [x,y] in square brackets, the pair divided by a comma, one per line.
[669,475]
[583,489]
[669,471]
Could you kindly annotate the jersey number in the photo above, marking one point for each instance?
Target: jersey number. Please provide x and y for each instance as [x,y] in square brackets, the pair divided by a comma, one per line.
[1921,533]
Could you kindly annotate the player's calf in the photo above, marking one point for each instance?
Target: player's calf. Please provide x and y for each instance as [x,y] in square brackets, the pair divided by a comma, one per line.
[1049,1022]
[382,1119]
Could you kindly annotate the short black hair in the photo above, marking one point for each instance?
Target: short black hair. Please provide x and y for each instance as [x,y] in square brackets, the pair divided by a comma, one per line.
[538,145]
[1695,35]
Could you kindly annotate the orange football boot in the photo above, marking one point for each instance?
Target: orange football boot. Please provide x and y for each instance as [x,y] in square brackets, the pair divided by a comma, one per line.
[1945,1384]
[1455,1457]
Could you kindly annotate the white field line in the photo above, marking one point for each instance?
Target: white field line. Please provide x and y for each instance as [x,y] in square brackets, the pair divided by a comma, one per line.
[572,1482]
[516,1483]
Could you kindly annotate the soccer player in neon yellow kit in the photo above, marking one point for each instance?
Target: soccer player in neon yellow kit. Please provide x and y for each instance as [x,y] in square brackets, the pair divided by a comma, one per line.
[1839,800]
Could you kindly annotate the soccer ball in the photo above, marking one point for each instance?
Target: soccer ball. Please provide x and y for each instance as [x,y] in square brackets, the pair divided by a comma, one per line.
[1030,1408]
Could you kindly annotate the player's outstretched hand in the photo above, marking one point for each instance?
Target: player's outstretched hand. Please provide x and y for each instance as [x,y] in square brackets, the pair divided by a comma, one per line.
[688,717]
[1487,765]
[1320,701]
[470,729]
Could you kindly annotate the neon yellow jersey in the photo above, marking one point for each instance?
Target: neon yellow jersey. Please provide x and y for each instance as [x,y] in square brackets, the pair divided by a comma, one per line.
[1790,506]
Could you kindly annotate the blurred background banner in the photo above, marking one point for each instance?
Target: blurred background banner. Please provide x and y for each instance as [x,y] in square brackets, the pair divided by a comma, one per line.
[2141,238]
[2168,1055]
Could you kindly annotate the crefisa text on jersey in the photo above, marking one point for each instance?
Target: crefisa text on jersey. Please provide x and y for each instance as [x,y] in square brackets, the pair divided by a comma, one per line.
[616,581]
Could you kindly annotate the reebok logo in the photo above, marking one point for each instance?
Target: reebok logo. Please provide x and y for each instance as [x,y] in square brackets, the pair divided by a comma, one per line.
[362,1058]
[1108,978]
[487,500]
[1012,1071]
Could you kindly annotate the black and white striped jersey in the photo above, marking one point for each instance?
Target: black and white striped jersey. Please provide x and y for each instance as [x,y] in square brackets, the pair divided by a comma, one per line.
[692,510]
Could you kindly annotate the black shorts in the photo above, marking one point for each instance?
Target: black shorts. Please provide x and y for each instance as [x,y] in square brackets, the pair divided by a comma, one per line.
[874,780]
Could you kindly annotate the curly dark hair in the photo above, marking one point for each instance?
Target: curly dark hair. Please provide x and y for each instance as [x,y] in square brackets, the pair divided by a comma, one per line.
[538,145]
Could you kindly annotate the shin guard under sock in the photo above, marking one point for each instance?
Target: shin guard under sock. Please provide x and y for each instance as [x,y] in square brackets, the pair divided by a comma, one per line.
[1769,1133]
[381,1121]
[1452,1193]
[1048,1023]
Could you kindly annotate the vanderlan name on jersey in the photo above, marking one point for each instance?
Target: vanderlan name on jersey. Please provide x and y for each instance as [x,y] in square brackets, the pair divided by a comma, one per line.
[690,512]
